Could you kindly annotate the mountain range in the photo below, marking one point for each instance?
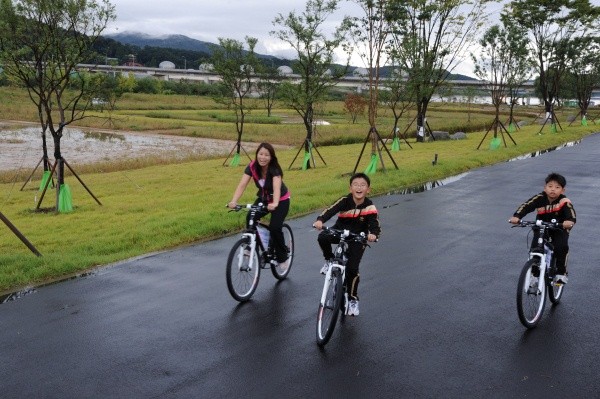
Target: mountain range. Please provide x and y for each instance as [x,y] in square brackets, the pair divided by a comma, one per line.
[182,42]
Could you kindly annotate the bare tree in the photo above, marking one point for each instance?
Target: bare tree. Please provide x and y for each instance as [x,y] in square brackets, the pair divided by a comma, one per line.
[236,66]
[41,44]
[315,63]
[430,40]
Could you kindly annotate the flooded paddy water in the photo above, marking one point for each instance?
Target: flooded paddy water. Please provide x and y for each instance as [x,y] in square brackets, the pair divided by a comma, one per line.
[21,146]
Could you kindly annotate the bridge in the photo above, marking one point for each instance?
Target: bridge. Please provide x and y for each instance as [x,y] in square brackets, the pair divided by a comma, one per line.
[356,82]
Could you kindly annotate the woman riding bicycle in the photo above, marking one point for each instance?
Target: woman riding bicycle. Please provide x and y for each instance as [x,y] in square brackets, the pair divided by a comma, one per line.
[268,178]
[552,204]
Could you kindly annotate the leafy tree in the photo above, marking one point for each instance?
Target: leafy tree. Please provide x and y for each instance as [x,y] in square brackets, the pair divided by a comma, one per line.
[583,67]
[41,44]
[399,98]
[430,40]
[315,62]
[551,24]
[267,85]
[371,32]
[355,105]
[493,65]
[236,67]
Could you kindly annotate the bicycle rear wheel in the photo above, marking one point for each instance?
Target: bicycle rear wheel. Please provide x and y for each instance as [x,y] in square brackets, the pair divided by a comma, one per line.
[330,308]
[531,294]
[288,237]
[242,279]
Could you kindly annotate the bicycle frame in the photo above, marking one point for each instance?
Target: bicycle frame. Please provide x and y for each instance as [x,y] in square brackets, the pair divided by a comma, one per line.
[545,256]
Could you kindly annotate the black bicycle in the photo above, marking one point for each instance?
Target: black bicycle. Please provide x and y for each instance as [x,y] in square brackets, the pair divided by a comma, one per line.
[334,299]
[252,252]
[537,275]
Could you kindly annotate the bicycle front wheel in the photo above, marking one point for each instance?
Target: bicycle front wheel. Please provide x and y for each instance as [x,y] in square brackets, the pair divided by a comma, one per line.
[242,272]
[288,237]
[531,294]
[329,308]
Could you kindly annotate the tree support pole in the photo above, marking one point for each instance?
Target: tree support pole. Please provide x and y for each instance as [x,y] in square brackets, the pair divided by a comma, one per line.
[18,234]
[81,181]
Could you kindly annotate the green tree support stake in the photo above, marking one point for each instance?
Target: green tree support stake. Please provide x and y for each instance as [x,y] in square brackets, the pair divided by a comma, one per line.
[553,128]
[495,143]
[306,160]
[45,178]
[511,127]
[235,161]
[584,121]
[65,199]
[396,144]
[372,167]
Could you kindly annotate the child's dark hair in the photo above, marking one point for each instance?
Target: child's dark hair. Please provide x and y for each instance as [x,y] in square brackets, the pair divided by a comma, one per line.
[360,175]
[560,179]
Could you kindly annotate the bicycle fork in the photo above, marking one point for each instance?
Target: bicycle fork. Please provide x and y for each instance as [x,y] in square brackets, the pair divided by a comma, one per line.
[329,280]
[252,239]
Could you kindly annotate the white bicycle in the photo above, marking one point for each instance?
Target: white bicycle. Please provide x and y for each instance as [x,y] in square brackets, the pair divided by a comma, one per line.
[334,299]
[537,275]
[252,252]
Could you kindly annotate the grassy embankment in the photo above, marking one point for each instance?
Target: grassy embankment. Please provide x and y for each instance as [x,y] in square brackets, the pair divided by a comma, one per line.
[161,206]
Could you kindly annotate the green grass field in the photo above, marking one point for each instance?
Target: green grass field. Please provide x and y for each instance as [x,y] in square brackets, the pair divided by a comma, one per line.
[156,207]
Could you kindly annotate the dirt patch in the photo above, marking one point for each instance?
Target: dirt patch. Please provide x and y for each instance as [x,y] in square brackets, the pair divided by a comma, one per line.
[21,145]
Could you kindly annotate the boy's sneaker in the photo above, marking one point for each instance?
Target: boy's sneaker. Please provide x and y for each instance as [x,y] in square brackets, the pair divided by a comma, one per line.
[353,308]
[325,268]
[560,279]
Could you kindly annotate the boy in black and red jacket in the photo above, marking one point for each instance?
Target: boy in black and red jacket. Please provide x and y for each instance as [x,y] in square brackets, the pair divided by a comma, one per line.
[552,204]
[356,213]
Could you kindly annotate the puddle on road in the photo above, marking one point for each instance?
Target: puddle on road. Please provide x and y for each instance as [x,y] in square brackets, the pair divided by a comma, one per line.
[438,183]
[13,296]
[541,152]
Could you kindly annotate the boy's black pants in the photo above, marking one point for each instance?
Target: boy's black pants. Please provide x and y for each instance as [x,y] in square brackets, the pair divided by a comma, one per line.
[560,241]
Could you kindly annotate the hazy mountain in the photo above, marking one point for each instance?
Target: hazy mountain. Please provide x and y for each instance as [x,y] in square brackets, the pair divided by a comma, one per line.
[183,42]
[168,41]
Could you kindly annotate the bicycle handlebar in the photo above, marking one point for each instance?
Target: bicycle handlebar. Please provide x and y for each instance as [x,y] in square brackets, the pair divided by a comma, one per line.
[347,235]
[258,207]
[539,223]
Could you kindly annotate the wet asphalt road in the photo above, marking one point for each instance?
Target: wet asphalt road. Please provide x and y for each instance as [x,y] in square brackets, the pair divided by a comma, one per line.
[438,316]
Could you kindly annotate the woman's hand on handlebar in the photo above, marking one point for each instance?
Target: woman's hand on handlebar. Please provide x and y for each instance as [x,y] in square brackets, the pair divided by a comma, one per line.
[232,205]
[371,237]
[318,225]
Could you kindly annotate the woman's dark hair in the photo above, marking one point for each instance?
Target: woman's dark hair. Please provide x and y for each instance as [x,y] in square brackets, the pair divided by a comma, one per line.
[560,179]
[274,167]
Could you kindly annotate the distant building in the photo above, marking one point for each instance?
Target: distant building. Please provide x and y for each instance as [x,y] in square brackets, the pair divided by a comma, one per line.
[284,70]
[166,65]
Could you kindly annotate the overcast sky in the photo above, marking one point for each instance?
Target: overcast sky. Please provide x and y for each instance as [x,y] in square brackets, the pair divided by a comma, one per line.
[208,20]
